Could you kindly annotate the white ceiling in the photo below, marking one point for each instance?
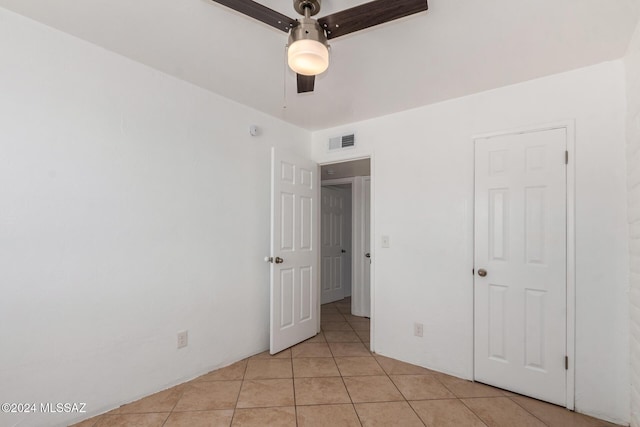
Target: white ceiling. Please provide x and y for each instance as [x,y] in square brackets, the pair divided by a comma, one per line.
[457,48]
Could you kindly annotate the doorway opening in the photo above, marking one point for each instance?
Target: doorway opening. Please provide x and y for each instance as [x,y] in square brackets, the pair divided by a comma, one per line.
[345,235]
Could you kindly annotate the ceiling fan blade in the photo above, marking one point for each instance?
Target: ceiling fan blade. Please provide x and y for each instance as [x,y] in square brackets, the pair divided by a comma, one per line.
[261,13]
[369,14]
[306,83]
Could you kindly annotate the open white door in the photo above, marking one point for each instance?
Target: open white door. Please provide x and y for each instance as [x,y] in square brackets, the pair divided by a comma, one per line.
[361,285]
[366,235]
[294,255]
[520,261]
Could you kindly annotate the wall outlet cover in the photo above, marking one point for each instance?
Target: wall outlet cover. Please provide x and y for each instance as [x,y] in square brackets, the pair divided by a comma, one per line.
[418,329]
[183,339]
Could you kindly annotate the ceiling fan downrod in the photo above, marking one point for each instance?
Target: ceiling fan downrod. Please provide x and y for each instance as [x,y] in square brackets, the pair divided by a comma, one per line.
[312,7]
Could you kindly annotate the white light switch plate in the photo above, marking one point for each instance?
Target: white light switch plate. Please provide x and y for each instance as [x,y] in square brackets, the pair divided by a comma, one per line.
[385,242]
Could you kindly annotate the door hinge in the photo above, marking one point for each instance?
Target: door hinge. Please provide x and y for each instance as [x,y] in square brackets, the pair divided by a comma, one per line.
[566,157]
[566,362]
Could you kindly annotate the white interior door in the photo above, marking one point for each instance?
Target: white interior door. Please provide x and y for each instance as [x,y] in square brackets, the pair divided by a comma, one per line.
[520,263]
[294,257]
[361,285]
[347,241]
[332,245]
[366,294]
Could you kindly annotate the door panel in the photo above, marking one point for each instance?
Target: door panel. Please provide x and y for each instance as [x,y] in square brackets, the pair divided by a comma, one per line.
[286,306]
[520,240]
[294,295]
[497,320]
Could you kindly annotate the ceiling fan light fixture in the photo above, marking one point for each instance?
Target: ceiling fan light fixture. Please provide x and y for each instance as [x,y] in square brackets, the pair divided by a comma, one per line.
[308,52]
[308,57]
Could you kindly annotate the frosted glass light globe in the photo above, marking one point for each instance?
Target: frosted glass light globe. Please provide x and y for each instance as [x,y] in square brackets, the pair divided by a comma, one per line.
[308,57]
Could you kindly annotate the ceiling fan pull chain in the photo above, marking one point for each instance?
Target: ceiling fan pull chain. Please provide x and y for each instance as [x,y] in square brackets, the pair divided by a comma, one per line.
[284,79]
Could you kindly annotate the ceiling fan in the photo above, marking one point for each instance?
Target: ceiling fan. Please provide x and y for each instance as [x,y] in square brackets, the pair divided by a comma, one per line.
[308,53]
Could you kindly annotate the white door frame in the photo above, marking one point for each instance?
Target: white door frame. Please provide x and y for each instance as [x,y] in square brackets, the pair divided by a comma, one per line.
[569,126]
[357,240]
[371,231]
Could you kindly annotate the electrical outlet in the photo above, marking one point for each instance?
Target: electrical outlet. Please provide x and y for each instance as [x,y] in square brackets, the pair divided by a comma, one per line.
[183,339]
[418,329]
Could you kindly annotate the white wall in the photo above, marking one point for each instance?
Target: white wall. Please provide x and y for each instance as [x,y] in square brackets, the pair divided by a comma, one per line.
[132,206]
[632,64]
[422,176]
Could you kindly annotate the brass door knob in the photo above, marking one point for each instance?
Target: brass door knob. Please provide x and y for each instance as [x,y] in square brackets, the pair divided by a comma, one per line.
[482,272]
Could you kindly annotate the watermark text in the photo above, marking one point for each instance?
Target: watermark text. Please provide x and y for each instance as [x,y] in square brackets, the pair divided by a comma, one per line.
[47,408]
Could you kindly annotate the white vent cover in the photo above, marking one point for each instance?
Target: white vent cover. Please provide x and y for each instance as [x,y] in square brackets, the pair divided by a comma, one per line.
[342,142]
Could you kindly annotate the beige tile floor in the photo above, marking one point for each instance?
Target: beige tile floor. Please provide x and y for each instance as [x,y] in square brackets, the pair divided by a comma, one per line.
[333,380]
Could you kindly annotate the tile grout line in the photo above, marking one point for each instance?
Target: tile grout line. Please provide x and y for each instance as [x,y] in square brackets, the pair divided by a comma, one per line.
[414,411]
[293,384]
[176,404]
[343,383]
[472,411]
[417,415]
[532,414]
[459,399]
[235,407]
[346,388]
[401,394]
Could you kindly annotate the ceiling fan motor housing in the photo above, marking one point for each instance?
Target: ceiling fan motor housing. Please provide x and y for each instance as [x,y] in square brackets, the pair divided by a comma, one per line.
[308,29]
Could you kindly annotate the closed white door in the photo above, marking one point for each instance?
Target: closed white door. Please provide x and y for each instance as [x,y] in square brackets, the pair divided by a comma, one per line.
[294,257]
[332,245]
[520,263]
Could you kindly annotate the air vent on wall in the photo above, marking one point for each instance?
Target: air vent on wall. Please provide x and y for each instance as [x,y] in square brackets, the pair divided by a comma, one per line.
[340,142]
